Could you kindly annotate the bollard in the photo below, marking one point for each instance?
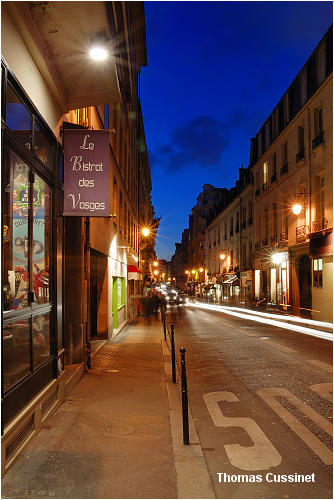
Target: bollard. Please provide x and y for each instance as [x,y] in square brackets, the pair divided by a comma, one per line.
[173,353]
[164,323]
[184,397]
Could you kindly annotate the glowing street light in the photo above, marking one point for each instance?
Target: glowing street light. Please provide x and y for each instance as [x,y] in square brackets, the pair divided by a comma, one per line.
[193,271]
[277,258]
[145,231]
[297,208]
[222,256]
[98,50]
[187,272]
[155,263]
[201,269]
[156,272]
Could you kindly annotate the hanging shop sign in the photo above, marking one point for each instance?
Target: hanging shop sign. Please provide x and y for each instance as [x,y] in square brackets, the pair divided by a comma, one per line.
[86,173]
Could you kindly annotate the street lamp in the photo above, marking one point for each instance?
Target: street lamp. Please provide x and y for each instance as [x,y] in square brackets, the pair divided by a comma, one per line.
[297,208]
[201,269]
[155,263]
[145,231]
[222,256]
[277,258]
[156,272]
[193,271]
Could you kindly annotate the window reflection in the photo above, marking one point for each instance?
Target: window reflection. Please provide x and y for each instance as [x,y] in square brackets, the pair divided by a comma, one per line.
[41,338]
[18,118]
[41,241]
[15,234]
[42,146]
[16,352]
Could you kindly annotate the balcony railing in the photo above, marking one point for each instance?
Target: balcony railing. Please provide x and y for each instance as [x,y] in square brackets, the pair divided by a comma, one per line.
[300,156]
[265,242]
[283,237]
[257,192]
[284,169]
[265,186]
[319,225]
[319,139]
[273,178]
[301,232]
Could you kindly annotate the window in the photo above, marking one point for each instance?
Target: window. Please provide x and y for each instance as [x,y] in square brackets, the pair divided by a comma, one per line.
[321,64]
[300,141]
[303,87]
[106,116]
[18,118]
[317,273]
[265,173]
[317,117]
[319,194]
[275,219]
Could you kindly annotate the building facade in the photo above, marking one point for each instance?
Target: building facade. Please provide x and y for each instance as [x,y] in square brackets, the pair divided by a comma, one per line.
[65,280]
[292,161]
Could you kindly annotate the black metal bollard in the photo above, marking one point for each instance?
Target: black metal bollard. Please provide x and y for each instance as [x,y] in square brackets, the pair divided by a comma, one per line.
[164,323]
[184,397]
[173,353]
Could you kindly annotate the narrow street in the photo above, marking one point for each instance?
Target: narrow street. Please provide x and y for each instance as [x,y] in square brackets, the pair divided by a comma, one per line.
[260,398]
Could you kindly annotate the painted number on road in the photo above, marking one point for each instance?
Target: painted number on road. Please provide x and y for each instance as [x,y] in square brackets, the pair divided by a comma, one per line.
[262,455]
[270,395]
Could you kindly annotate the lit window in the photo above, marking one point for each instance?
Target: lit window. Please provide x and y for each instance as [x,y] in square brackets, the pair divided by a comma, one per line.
[317,273]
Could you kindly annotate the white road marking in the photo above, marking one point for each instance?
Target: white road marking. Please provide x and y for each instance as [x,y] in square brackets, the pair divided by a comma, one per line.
[269,395]
[280,324]
[324,390]
[262,455]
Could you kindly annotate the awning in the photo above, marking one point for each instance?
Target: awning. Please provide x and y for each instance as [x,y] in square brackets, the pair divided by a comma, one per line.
[231,279]
[134,273]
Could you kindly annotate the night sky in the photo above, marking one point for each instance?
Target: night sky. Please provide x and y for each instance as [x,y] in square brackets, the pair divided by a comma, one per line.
[215,72]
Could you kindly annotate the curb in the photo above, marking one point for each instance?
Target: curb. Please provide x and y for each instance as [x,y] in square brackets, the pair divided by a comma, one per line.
[193,478]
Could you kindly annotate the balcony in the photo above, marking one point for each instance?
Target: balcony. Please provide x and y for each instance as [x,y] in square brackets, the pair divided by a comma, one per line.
[319,225]
[319,139]
[283,237]
[284,169]
[301,233]
[265,186]
[273,178]
[250,221]
[265,242]
[257,192]
[300,156]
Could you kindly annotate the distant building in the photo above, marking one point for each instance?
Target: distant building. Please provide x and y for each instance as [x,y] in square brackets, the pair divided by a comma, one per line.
[179,261]
[229,245]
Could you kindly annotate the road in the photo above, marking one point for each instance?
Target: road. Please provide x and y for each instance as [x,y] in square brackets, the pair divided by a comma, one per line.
[260,397]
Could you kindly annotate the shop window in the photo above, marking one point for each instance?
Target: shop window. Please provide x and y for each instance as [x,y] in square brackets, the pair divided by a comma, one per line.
[18,118]
[317,273]
[41,338]
[42,146]
[15,352]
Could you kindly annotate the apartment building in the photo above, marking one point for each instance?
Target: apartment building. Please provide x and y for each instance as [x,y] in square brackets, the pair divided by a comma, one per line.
[179,261]
[67,278]
[292,160]
[229,245]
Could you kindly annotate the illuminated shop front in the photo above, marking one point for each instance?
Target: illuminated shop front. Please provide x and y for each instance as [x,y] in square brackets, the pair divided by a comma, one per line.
[29,238]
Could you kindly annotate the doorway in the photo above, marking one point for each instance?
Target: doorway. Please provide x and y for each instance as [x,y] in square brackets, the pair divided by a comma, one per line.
[304,281]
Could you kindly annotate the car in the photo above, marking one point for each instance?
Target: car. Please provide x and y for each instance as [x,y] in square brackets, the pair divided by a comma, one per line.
[183,298]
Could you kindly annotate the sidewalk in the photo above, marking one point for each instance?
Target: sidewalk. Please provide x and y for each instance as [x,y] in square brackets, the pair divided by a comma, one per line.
[118,434]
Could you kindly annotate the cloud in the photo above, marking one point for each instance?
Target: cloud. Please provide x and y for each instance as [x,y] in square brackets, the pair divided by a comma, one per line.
[199,142]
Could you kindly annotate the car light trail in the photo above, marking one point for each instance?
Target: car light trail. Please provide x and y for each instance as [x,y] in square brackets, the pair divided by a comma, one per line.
[266,321]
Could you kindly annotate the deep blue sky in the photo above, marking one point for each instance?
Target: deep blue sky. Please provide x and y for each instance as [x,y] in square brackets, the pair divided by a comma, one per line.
[215,72]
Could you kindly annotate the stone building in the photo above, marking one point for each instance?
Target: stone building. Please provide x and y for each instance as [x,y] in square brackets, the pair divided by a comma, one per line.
[65,280]
[292,161]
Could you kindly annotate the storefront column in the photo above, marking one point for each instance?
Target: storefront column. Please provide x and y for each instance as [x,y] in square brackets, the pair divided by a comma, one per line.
[75,290]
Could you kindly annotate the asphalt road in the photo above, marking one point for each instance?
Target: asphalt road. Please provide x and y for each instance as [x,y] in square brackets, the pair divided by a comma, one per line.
[260,397]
